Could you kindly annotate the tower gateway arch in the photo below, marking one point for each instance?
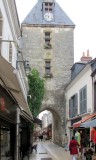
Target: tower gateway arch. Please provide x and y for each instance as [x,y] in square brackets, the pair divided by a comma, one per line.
[48,43]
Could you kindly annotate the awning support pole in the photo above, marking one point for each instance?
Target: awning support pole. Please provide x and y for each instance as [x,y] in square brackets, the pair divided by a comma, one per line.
[17,134]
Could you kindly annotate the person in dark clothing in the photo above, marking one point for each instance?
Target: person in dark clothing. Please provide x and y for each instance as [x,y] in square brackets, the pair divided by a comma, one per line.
[88,154]
[24,151]
[87,141]
[41,137]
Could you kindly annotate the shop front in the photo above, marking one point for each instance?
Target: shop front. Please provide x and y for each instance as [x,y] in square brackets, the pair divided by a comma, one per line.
[15,115]
[87,135]
[7,124]
[15,133]
[72,129]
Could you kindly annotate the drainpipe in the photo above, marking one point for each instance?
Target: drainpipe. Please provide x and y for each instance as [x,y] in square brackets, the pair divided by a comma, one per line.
[17,133]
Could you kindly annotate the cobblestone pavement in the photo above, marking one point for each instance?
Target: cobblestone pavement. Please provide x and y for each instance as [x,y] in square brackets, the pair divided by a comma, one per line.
[49,151]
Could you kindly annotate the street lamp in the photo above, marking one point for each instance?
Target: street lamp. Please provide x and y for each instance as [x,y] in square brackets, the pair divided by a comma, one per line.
[25,62]
[26,65]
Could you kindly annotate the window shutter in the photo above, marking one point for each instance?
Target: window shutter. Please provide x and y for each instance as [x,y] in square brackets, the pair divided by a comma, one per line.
[76,104]
[83,100]
[70,108]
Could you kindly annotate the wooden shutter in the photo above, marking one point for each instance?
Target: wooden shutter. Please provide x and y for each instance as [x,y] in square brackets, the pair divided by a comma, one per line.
[83,100]
[76,104]
[81,97]
[70,108]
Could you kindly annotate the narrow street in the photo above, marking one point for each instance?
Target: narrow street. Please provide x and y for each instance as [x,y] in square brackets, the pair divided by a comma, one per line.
[49,151]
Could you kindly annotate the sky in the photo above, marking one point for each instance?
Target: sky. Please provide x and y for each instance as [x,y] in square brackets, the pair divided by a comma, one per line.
[82,13]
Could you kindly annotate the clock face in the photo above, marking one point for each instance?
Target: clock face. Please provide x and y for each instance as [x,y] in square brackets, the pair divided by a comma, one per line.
[48,16]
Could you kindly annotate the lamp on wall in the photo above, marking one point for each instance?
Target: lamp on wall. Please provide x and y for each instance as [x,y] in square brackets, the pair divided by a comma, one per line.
[26,65]
[25,62]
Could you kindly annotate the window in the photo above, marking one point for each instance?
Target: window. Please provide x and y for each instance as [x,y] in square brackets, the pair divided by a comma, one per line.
[83,100]
[47,40]
[1,24]
[48,68]
[73,106]
[10,53]
[48,6]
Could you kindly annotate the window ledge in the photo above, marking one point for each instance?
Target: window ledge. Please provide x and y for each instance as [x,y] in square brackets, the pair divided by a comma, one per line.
[48,75]
[47,46]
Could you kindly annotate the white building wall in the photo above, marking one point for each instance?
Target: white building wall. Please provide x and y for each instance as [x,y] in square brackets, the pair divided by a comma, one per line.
[11,34]
[82,79]
[8,35]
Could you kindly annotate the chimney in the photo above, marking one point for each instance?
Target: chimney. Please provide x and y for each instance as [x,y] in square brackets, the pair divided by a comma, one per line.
[86,58]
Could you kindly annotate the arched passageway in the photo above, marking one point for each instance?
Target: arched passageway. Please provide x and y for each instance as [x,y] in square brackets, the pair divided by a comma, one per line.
[56,126]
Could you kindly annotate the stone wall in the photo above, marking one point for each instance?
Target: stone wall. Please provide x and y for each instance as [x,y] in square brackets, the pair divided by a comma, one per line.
[62,58]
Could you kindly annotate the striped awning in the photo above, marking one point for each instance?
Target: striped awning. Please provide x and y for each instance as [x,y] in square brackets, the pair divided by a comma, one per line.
[91,123]
[78,124]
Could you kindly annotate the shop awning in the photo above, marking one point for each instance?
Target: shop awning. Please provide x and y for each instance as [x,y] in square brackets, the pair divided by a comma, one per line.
[91,123]
[12,84]
[8,76]
[78,124]
[22,102]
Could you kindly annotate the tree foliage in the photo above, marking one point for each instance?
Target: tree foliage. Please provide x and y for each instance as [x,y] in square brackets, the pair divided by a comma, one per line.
[36,90]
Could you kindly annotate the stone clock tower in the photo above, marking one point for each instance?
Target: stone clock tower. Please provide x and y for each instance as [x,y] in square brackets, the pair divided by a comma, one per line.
[48,43]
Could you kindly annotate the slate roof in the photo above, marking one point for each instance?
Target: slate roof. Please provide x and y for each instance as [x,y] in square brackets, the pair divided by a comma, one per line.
[35,16]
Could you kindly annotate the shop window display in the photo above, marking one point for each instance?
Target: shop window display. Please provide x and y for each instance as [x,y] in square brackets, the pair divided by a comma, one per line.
[4,142]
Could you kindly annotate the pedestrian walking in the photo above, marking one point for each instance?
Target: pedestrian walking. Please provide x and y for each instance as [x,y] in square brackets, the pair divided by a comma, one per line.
[41,137]
[78,137]
[66,142]
[73,147]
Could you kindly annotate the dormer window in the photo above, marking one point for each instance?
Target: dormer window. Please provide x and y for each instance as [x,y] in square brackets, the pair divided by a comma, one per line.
[48,7]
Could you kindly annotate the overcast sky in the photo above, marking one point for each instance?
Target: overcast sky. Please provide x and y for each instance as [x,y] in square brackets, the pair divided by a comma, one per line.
[82,13]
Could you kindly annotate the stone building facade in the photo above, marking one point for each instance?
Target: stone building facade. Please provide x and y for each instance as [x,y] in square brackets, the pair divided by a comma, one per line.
[48,43]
